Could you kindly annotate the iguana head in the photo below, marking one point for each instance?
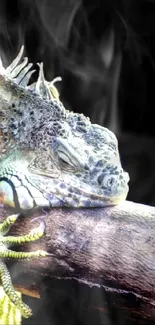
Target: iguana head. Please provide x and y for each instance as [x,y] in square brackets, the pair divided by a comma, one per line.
[50,156]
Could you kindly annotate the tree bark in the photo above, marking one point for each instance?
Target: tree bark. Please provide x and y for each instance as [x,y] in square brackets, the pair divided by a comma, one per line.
[112,248]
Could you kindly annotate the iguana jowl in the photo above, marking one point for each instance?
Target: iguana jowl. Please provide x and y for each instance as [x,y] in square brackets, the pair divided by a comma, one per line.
[50,156]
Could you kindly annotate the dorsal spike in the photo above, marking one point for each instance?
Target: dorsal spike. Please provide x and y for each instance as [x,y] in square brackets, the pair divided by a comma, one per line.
[24,82]
[24,76]
[15,62]
[15,72]
[53,90]
[41,84]
[51,83]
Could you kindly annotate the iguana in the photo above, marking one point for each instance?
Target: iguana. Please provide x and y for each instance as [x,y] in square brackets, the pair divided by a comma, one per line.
[49,157]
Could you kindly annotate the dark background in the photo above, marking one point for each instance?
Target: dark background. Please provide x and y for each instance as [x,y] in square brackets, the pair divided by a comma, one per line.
[105,53]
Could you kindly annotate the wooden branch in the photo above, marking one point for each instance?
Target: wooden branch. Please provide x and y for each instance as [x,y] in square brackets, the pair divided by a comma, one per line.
[113,247]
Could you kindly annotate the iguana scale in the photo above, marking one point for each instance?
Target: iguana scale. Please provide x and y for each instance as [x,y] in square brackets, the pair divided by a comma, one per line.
[49,156]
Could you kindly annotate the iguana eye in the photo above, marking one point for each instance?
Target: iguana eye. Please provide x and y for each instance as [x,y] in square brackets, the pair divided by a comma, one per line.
[64,161]
[66,156]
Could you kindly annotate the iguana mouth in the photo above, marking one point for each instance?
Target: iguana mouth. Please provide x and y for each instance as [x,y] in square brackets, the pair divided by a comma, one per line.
[91,200]
[84,201]
[68,194]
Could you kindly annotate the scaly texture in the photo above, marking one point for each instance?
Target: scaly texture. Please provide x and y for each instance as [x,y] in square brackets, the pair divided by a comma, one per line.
[5,252]
[9,314]
[49,157]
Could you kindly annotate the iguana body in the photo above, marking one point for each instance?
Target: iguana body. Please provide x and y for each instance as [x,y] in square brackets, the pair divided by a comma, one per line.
[48,155]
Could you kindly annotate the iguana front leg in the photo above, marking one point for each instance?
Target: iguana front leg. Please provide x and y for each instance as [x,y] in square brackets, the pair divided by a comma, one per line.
[5,252]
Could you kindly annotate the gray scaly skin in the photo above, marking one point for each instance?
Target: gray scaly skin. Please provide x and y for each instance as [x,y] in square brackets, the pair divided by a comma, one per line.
[50,157]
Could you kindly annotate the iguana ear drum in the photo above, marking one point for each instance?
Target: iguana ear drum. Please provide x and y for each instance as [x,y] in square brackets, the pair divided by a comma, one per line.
[9,195]
[6,194]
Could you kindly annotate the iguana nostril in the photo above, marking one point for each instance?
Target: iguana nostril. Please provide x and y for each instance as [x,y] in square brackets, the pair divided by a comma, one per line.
[110,181]
[107,181]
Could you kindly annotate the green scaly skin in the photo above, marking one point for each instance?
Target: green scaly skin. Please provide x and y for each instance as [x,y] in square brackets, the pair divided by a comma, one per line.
[5,252]
[9,313]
